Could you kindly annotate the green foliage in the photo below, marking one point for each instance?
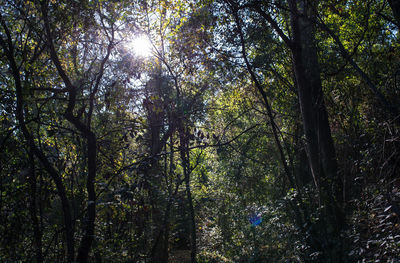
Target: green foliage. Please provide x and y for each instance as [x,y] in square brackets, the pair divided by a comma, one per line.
[211,257]
[184,140]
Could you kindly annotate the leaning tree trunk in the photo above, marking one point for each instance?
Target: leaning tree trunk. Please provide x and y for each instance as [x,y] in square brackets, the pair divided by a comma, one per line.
[8,48]
[320,147]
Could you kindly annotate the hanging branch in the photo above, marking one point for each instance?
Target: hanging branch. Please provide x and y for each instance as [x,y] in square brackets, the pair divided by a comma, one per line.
[348,57]
[8,49]
[265,98]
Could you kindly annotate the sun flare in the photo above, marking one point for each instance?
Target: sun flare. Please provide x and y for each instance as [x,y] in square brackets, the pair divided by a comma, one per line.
[140,46]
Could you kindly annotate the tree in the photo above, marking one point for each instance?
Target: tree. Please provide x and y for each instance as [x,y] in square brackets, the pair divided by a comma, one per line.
[255,131]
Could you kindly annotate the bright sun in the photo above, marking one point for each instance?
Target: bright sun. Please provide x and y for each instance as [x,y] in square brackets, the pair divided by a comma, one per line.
[141,46]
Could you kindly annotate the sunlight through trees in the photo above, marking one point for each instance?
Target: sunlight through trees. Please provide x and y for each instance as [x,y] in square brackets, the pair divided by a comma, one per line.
[204,131]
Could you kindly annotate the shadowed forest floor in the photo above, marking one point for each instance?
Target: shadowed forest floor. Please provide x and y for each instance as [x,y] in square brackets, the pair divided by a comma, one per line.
[179,256]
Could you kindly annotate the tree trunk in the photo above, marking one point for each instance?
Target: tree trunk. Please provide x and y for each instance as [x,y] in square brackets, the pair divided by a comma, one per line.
[320,147]
[88,228]
[395,6]
[186,173]
[160,251]
[37,234]
[8,49]
[87,239]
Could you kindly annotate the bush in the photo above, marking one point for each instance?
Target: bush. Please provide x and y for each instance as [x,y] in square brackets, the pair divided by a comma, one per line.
[211,257]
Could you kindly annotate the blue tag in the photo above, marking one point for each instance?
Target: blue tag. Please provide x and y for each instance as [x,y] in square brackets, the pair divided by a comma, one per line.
[255,220]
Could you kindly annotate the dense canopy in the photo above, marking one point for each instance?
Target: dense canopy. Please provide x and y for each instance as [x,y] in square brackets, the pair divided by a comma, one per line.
[199,131]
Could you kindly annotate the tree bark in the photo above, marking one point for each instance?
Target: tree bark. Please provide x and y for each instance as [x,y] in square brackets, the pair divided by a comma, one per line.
[160,248]
[293,182]
[395,6]
[91,148]
[319,145]
[37,234]
[87,239]
[184,151]
[8,49]
[85,130]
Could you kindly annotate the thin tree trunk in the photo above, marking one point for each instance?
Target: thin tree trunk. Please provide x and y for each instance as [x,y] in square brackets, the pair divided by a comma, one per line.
[192,216]
[161,242]
[86,131]
[37,234]
[89,224]
[87,239]
[299,213]
[392,109]
[266,103]
[8,48]
[186,173]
